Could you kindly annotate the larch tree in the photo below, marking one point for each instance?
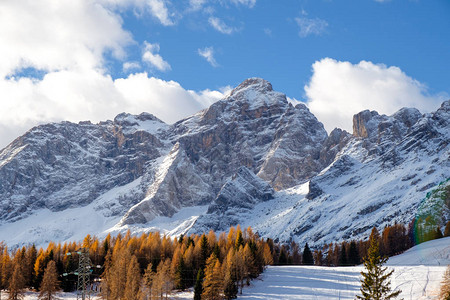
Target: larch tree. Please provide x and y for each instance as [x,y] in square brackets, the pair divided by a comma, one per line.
[229,269]
[213,283]
[49,285]
[133,282]
[147,281]
[444,293]
[16,287]
[375,284]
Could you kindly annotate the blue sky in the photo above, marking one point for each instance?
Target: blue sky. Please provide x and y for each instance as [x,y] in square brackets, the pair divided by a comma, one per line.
[92,59]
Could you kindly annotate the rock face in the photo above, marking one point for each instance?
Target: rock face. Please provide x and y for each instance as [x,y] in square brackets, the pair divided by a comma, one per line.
[63,165]
[251,158]
[253,127]
[240,194]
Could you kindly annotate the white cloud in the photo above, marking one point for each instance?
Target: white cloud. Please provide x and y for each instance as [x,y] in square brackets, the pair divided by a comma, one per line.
[196,4]
[91,95]
[130,65]
[41,34]
[208,54]
[249,3]
[220,26]
[156,8]
[338,90]
[152,57]
[159,10]
[309,26]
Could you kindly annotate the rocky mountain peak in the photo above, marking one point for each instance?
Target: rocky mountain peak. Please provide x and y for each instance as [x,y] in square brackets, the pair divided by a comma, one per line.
[258,84]
[126,119]
[255,93]
[364,123]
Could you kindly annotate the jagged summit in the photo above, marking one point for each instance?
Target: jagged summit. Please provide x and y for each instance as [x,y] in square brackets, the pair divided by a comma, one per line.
[126,118]
[257,93]
[254,83]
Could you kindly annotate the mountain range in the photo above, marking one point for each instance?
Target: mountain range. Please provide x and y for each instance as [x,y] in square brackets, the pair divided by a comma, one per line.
[251,158]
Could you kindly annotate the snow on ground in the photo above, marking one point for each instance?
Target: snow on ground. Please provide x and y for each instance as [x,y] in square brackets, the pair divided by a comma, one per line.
[417,272]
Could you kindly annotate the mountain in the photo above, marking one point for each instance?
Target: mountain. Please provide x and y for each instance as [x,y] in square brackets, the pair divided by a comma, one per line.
[251,158]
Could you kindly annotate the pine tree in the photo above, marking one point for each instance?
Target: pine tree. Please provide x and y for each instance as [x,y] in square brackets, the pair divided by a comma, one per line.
[375,284]
[204,250]
[198,287]
[49,284]
[307,256]
[343,256]
[239,240]
[16,284]
[353,255]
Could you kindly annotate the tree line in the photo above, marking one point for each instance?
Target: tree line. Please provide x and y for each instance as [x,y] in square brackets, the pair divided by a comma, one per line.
[151,266]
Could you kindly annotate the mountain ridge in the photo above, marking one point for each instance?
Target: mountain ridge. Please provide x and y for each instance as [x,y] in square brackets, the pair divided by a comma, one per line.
[253,133]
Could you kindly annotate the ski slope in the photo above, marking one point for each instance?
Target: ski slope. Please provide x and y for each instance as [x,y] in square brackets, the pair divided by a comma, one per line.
[417,272]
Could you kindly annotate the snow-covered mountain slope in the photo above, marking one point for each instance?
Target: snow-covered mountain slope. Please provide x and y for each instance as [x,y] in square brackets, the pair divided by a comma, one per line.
[251,158]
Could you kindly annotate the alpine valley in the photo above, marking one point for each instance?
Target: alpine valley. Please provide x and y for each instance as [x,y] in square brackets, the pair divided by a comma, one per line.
[251,158]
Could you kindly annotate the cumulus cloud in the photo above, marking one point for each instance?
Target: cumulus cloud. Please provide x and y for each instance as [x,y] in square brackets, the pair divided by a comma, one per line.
[208,54]
[152,57]
[337,90]
[91,95]
[220,26]
[40,34]
[311,26]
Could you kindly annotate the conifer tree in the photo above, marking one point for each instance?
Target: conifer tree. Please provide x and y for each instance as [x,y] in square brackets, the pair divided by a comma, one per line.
[307,256]
[343,256]
[212,285]
[375,284]
[230,284]
[267,255]
[49,284]
[147,281]
[239,240]
[31,260]
[16,287]
[283,257]
[7,269]
[353,255]
[132,285]
[198,287]
[444,293]
[204,250]
[181,274]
